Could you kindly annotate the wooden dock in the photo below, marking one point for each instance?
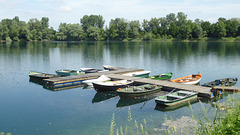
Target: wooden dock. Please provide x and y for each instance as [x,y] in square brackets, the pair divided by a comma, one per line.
[225,88]
[202,91]
[77,79]
[67,81]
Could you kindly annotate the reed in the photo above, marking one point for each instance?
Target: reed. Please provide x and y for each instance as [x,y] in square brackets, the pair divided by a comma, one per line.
[131,128]
[226,119]
[224,123]
[2,133]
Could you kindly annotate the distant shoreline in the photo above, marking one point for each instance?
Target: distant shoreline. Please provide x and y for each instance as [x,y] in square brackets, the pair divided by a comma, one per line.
[227,39]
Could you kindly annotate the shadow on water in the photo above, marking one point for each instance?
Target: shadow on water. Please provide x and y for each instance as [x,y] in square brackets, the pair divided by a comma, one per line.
[123,102]
[36,81]
[63,87]
[102,96]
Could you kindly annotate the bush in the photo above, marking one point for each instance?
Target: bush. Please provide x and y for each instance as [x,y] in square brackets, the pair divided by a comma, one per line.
[8,39]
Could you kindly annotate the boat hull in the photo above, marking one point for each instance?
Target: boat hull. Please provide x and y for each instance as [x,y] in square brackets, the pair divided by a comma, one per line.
[222,82]
[101,78]
[191,79]
[136,91]
[102,87]
[41,76]
[143,74]
[111,68]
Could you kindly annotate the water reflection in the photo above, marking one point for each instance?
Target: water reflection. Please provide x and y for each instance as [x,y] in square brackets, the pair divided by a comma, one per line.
[102,96]
[63,87]
[36,81]
[177,52]
[123,102]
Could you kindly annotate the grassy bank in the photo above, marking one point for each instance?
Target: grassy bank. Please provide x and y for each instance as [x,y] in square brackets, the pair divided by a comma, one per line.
[226,121]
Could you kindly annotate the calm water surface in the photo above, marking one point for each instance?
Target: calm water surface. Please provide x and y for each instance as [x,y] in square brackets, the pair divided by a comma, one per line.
[26,108]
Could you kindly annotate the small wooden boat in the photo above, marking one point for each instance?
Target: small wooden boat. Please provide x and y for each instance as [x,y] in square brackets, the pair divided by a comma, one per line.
[176,98]
[110,68]
[91,70]
[111,85]
[101,78]
[69,72]
[140,90]
[165,76]
[39,75]
[222,82]
[164,108]
[138,74]
[191,79]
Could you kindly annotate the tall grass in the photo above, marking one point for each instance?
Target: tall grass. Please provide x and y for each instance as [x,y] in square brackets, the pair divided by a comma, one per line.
[226,120]
[223,123]
[130,129]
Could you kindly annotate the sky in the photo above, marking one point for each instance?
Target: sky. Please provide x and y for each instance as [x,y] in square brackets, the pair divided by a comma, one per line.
[71,11]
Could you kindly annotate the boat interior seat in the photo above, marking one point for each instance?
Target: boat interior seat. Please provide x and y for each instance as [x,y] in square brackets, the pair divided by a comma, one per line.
[175,96]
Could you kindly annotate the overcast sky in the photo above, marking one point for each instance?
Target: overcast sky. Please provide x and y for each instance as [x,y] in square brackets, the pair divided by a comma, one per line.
[70,11]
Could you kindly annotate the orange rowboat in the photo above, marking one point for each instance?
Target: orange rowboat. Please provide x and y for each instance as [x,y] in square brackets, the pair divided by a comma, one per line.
[191,79]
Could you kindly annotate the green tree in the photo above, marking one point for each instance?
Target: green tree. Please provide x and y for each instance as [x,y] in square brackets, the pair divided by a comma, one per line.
[112,32]
[185,30]
[154,27]
[134,29]
[221,28]
[44,22]
[75,32]
[173,30]
[206,27]
[94,33]
[232,27]
[24,33]
[181,18]
[118,29]
[92,21]
[199,32]
[164,26]
[145,25]
[171,18]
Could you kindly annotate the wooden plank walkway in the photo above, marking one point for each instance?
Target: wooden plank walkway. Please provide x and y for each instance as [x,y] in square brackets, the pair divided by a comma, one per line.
[202,91]
[77,79]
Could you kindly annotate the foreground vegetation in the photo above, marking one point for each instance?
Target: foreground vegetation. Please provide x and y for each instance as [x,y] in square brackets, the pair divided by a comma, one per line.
[93,27]
[225,122]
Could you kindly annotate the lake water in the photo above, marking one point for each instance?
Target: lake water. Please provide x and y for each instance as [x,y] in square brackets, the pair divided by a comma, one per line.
[26,108]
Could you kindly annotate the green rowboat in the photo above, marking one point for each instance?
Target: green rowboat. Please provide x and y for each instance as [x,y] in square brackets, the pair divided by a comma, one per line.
[176,98]
[165,76]
[135,91]
[68,72]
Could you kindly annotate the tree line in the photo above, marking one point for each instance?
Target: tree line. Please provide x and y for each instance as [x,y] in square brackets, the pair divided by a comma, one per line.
[92,27]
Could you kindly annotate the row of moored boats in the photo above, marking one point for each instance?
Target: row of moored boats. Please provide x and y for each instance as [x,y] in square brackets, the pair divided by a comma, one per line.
[127,88]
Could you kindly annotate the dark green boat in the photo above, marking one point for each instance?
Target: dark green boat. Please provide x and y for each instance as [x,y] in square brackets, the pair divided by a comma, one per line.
[140,90]
[176,98]
[165,76]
